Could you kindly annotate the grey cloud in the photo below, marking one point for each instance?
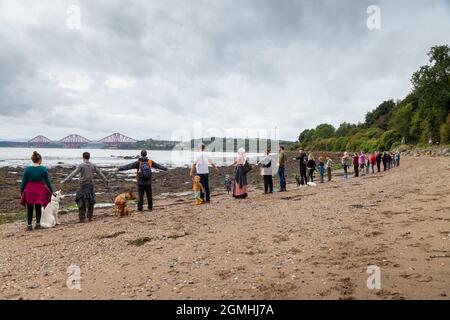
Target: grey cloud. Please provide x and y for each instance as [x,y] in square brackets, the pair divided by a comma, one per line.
[291,64]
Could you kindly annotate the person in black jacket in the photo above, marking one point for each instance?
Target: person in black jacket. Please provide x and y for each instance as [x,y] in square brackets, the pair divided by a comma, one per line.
[144,178]
[302,158]
[384,159]
[311,166]
[379,159]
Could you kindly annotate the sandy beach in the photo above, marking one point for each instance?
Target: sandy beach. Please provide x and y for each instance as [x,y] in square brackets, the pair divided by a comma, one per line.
[307,243]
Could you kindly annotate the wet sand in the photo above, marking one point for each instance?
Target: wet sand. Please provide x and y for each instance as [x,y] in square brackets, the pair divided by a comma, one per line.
[308,243]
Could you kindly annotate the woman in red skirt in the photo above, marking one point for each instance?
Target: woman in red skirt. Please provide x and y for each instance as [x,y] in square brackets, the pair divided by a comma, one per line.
[36,190]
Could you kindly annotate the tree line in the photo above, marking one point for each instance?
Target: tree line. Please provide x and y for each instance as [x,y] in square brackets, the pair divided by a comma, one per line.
[422,117]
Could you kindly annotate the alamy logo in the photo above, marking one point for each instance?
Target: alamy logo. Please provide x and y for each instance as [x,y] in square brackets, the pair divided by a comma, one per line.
[374,19]
[74,278]
[374,279]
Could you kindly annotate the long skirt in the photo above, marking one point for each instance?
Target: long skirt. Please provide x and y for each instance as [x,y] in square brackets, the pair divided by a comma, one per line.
[240,183]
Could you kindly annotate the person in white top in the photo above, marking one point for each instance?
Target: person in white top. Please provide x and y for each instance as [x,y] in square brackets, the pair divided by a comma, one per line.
[201,168]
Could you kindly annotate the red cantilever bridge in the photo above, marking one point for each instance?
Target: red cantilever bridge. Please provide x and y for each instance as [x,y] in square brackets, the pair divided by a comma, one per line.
[75,141]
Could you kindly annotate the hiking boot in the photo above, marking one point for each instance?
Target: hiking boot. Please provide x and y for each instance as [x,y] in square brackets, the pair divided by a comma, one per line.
[37,227]
[90,219]
[29,228]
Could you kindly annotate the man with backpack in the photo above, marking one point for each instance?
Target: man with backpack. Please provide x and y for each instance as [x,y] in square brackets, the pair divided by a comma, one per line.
[143,169]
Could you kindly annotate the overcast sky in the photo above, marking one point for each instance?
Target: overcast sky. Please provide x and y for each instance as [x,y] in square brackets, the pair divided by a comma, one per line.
[147,68]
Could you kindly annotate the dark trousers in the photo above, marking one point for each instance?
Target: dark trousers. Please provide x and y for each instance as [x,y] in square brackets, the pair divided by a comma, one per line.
[379,166]
[85,208]
[204,180]
[311,175]
[303,178]
[30,208]
[147,189]
[282,177]
[329,174]
[356,166]
[268,184]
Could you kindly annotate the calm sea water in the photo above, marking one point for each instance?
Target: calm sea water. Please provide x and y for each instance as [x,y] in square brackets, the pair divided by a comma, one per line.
[19,157]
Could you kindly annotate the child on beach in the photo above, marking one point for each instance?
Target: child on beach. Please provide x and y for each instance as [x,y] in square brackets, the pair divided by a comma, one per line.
[197,187]
[321,169]
[228,183]
[329,168]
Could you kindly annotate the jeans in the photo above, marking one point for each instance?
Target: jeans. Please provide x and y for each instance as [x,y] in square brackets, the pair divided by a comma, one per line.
[345,171]
[147,189]
[38,208]
[282,177]
[268,184]
[204,180]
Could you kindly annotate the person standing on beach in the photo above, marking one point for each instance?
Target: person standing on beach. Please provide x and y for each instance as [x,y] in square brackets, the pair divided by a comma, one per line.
[373,161]
[35,190]
[388,160]
[266,172]
[201,167]
[242,167]
[362,162]
[282,168]
[329,167]
[356,164]
[379,160]
[346,162]
[85,196]
[311,166]
[321,169]
[397,158]
[302,164]
[384,159]
[367,164]
[143,169]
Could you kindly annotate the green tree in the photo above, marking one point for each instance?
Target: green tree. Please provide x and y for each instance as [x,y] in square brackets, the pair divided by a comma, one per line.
[432,87]
[379,116]
[345,129]
[306,136]
[324,131]
[388,139]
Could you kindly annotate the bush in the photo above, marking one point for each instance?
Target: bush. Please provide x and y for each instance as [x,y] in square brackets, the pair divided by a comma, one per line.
[388,139]
[445,131]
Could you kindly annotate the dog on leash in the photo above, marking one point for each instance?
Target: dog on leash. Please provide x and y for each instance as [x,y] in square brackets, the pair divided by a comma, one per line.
[50,217]
[120,204]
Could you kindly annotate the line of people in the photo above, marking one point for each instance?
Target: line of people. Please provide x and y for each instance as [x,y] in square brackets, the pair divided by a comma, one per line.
[364,163]
[36,188]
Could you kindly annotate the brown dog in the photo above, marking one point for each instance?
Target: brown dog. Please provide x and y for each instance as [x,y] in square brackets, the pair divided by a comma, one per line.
[120,203]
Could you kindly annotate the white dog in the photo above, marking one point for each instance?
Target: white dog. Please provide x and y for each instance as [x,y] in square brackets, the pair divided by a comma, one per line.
[50,217]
